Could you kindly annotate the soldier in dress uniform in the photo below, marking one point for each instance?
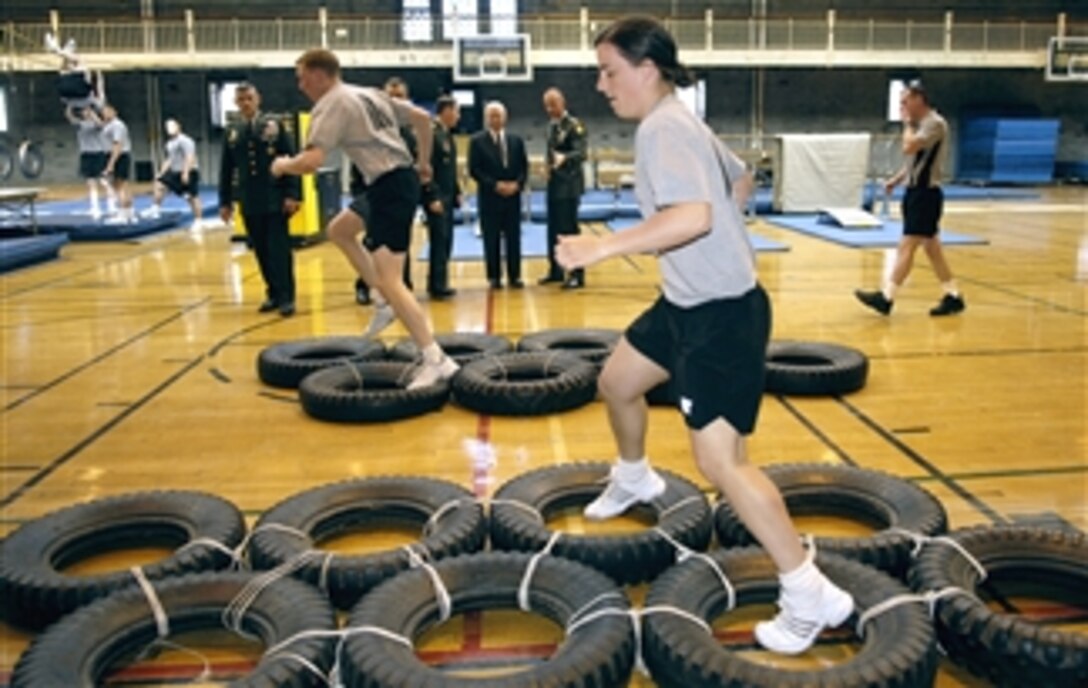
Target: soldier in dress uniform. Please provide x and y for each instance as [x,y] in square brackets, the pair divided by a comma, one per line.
[441,196]
[267,202]
[566,182]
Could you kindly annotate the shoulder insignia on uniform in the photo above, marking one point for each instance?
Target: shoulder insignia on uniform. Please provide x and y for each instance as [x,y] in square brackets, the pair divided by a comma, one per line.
[232,135]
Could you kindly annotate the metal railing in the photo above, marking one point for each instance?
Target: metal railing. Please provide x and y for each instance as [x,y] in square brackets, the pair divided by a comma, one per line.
[758,35]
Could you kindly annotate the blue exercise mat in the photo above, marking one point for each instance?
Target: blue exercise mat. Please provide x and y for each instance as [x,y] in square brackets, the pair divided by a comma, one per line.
[871,237]
[468,246]
[760,244]
[100,231]
[23,251]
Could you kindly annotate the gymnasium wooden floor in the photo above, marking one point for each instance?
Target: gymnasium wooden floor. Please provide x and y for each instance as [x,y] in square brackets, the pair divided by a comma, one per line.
[131,366]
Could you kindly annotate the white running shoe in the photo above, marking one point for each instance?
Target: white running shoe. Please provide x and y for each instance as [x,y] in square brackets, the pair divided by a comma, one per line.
[383,317]
[152,213]
[792,631]
[116,220]
[431,373]
[619,496]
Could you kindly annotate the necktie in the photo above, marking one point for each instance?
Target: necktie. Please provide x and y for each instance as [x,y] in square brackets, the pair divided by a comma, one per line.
[501,141]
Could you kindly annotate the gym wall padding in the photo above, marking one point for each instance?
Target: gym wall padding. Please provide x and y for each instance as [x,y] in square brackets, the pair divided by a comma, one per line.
[1015,151]
[821,171]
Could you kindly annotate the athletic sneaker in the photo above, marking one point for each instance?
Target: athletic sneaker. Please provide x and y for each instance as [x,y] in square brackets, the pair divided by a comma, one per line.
[117,220]
[949,305]
[383,317]
[804,612]
[151,213]
[619,496]
[875,300]
[431,373]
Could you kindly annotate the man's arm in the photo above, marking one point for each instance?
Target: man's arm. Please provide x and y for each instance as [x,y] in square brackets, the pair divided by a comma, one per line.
[70,116]
[577,155]
[306,162]
[476,166]
[668,228]
[421,124]
[190,162]
[523,165]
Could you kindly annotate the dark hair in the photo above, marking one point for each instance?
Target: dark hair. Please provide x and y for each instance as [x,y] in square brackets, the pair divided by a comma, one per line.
[644,38]
[444,103]
[244,86]
[321,60]
[917,88]
[396,82]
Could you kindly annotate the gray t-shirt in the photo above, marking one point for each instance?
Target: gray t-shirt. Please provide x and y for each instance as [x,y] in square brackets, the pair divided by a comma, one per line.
[89,136]
[177,150]
[364,123]
[926,167]
[116,132]
[678,159]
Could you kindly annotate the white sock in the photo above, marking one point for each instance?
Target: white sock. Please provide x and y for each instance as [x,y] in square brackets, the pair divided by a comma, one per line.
[950,288]
[377,298]
[889,290]
[94,199]
[632,471]
[433,354]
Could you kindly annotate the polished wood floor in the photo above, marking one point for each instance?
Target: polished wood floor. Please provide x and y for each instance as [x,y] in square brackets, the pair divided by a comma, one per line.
[131,366]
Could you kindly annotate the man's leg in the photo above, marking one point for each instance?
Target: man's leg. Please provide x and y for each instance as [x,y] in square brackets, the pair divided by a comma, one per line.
[555,272]
[438,260]
[489,226]
[882,301]
[951,302]
[512,230]
[258,232]
[195,206]
[281,262]
[569,214]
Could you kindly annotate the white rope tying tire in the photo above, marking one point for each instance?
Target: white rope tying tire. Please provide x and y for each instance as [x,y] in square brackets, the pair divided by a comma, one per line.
[683,553]
[680,505]
[442,595]
[440,513]
[355,372]
[930,599]
[162,627]
[234,613]
[530,570]
[921,541]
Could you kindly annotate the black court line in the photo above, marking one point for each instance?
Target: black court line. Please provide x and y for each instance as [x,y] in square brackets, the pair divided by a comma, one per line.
[98,434]
[1025,297]
[106,354]
[279,397]
[220,375]
[1009,473]
[175,360]
[920,430]
[18,468]
[19,388]
[114,404]
[924,463]
[984,353]
[820,435]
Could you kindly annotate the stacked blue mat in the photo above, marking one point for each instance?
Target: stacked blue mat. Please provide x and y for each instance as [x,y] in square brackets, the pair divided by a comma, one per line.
[22,251]
[1017,151]
[886,236]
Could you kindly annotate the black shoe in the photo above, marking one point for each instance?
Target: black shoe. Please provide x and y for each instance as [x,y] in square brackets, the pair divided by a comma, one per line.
[494,284]
[574,283]
[550,279]
[442,294]
[287,309]
[362,293]
[517,284]
[268,306]
[875,300]
[949,305]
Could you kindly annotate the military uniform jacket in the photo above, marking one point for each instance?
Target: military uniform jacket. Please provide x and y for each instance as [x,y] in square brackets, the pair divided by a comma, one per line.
[444,183]
[245,172]
[567,136]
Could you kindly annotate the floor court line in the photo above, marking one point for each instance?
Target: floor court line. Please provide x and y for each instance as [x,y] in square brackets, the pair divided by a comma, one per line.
[816,431]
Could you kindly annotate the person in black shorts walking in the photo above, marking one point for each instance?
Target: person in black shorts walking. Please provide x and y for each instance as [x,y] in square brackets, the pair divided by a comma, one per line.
[707,334]
[180,173]
[925,135]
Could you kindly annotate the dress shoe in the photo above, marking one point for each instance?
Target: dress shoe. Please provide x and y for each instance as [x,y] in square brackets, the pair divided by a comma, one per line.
[268,306]
[517,284]
[442,294]
[287,309]
[362,293]
[550,279]
[494,284]
[574,283]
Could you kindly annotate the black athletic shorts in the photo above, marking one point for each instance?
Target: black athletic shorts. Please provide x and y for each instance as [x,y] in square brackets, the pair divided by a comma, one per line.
[172,181]
[122,169]
[92,164]
[922,209]
[388,208]
[715,354]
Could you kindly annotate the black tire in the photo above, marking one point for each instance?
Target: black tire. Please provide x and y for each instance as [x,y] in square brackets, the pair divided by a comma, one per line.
[599,655]
[876,499]
[288,363]
[1007,649]
[334,393]
[594,345]
[899,649]
[35,590]
[814,369]
[628,558]
[327,511]
[31,160]
[526,384]
[7,162]
[460,346]
[79,650]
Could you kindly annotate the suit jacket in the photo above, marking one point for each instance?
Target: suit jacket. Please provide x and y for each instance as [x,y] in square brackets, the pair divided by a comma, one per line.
[567,136]
[445,184]
[485,165]
[245,170]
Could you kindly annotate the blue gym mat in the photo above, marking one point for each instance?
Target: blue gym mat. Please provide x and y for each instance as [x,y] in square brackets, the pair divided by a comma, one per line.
[880,237]
[23,251]
[760,244]
[468,246]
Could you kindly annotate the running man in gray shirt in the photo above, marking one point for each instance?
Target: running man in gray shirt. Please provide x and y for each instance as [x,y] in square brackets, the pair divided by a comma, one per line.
[179,173]
[118,163]
[363,122]
[707,335]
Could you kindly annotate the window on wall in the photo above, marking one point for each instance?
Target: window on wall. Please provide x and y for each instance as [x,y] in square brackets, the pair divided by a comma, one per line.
[504,17]
[416,26]
[459,18]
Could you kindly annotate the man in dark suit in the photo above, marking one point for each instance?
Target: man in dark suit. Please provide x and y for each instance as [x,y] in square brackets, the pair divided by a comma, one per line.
[441,196]
[566,182]
[267,202]
[397,88]
[497,161]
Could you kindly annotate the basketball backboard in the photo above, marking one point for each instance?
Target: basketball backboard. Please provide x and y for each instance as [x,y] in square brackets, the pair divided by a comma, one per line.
[1067,59]
[492,58]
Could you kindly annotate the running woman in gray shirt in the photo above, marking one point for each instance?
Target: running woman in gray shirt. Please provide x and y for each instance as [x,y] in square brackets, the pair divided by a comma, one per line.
[707,335]
[179,173]
[363,122]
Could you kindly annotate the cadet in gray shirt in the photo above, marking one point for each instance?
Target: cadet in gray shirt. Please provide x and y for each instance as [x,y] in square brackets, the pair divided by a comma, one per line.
[707,335]
[118,163]
[179,173]
[92,156]
[364,122]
